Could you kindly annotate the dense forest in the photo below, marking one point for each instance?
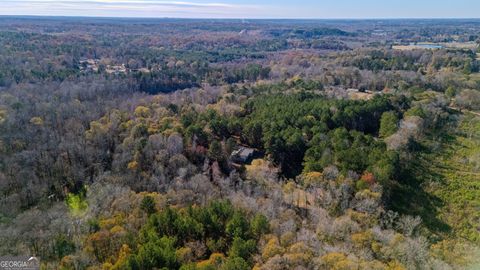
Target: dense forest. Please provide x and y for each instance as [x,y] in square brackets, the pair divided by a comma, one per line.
[225,144]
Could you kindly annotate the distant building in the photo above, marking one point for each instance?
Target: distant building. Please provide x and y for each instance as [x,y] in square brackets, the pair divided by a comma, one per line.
[242,155]
[379,32]
[89,65]
[116,69]
[141,70]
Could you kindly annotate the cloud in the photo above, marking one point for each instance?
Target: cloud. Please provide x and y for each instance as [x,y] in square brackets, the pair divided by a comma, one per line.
[127,8]
[122,2]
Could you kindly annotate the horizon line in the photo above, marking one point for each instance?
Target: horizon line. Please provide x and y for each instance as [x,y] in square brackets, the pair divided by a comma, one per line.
[238,18]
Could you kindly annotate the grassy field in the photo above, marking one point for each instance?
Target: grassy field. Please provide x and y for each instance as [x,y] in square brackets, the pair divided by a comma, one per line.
[442,185]
[457,163]
[431,45]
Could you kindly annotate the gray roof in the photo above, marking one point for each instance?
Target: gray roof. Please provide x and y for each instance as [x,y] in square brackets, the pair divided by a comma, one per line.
[243,153]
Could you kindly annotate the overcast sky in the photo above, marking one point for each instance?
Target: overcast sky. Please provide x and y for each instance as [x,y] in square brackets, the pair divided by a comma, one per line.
[322,9]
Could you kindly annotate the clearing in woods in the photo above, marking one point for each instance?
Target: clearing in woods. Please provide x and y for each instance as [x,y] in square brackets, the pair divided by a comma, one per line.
[443,188]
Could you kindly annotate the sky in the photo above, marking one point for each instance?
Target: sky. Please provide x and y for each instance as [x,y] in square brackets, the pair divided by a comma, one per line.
[312,9]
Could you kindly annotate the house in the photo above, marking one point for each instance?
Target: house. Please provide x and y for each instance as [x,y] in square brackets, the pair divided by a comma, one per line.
[242,155]
[89,65]
[116,69]
[141,70]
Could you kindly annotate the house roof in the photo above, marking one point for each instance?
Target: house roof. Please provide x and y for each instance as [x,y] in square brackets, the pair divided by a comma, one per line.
[243,152]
